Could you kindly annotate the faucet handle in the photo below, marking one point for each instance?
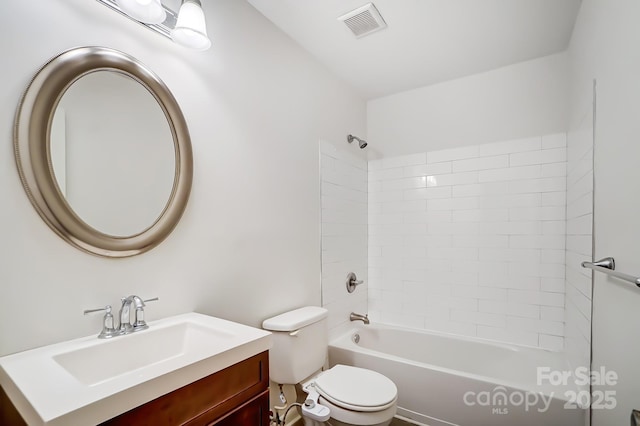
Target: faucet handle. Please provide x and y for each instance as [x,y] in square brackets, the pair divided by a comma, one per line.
[108,329]
[90,311]
[353,282]
[140,323]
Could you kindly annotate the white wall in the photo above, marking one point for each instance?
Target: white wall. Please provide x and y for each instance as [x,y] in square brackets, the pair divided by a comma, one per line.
[343,180]
[513,102]
[471,240]
[248,245]
[604,46]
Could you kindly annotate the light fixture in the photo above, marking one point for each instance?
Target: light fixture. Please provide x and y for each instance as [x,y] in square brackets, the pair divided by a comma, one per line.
[191,29]
[147,11]
[186,27]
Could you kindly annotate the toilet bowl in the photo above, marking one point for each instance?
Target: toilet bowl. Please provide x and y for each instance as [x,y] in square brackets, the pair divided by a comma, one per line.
[353,396]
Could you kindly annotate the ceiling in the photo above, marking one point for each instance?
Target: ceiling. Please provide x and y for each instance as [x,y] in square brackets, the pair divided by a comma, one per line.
[426,41]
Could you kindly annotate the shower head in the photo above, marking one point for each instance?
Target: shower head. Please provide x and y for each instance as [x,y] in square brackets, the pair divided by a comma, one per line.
[361,142]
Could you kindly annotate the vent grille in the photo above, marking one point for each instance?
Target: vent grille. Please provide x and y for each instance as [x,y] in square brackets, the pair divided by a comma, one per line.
[364,20]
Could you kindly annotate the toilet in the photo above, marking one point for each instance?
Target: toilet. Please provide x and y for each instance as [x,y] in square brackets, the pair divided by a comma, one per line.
[341,396]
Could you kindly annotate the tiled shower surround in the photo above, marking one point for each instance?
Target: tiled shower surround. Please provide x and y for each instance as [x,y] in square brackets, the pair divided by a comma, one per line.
[343,187]
[471,240]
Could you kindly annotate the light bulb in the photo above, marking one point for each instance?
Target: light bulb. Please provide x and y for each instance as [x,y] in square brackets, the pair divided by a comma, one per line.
[191,28]
[147,11]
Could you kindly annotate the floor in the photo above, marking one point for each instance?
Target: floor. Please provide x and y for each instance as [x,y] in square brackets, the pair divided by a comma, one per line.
[397,422]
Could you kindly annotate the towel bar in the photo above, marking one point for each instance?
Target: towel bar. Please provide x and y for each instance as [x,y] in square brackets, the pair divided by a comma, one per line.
[608,266]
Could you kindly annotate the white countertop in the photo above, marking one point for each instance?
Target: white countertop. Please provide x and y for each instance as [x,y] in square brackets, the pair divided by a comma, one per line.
[69,382]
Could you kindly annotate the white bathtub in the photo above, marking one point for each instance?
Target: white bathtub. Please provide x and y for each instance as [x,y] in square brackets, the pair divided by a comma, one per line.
[449,380]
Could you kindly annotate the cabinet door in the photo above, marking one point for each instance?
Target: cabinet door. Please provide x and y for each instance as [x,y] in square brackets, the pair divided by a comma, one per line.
[252,413]
[205,400]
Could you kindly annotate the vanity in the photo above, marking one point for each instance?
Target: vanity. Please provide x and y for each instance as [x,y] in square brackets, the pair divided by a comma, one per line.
[112,178]
[191,369]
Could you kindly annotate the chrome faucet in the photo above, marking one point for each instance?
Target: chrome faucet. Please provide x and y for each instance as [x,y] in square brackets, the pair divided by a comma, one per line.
[359,317]
[125,327]
[125,315]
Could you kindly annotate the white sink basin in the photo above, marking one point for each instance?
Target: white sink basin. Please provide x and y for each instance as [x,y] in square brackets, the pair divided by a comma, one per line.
[125,354]
[89,380]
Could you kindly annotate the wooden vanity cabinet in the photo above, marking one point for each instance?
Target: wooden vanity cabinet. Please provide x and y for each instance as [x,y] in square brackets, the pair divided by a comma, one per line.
[235,396]
[9,415]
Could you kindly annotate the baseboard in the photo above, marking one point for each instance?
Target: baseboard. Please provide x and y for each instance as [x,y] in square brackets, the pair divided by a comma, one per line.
[421,419]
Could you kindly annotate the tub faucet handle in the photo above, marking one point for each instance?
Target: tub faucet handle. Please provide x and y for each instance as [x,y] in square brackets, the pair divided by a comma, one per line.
[353,282]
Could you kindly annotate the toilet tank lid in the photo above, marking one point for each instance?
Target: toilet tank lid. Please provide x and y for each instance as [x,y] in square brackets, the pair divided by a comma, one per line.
[296,319]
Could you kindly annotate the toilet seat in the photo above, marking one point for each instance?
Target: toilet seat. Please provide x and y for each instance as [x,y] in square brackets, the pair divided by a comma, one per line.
[356,389]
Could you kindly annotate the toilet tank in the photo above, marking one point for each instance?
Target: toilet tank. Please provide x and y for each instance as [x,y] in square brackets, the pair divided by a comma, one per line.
[300,340]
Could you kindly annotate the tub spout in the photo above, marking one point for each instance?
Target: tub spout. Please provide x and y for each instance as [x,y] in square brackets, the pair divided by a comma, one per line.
[359,317]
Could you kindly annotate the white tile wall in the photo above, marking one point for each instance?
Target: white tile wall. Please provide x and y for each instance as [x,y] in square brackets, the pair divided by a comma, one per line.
[343,182]
[579,241]
[472,240]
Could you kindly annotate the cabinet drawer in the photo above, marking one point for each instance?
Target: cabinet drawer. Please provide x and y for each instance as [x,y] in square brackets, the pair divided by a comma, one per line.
[252,413]
[200,402]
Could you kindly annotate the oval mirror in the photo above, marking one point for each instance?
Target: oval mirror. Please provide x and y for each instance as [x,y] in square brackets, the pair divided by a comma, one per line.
[103,152]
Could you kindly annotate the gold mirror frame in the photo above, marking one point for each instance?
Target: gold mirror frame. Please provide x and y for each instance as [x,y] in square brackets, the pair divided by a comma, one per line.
[32,147]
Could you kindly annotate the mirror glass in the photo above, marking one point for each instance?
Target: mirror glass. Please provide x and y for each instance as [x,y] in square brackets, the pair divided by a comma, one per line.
[112,153]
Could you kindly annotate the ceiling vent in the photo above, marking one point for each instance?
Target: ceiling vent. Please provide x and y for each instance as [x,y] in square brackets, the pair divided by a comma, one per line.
[364,20]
